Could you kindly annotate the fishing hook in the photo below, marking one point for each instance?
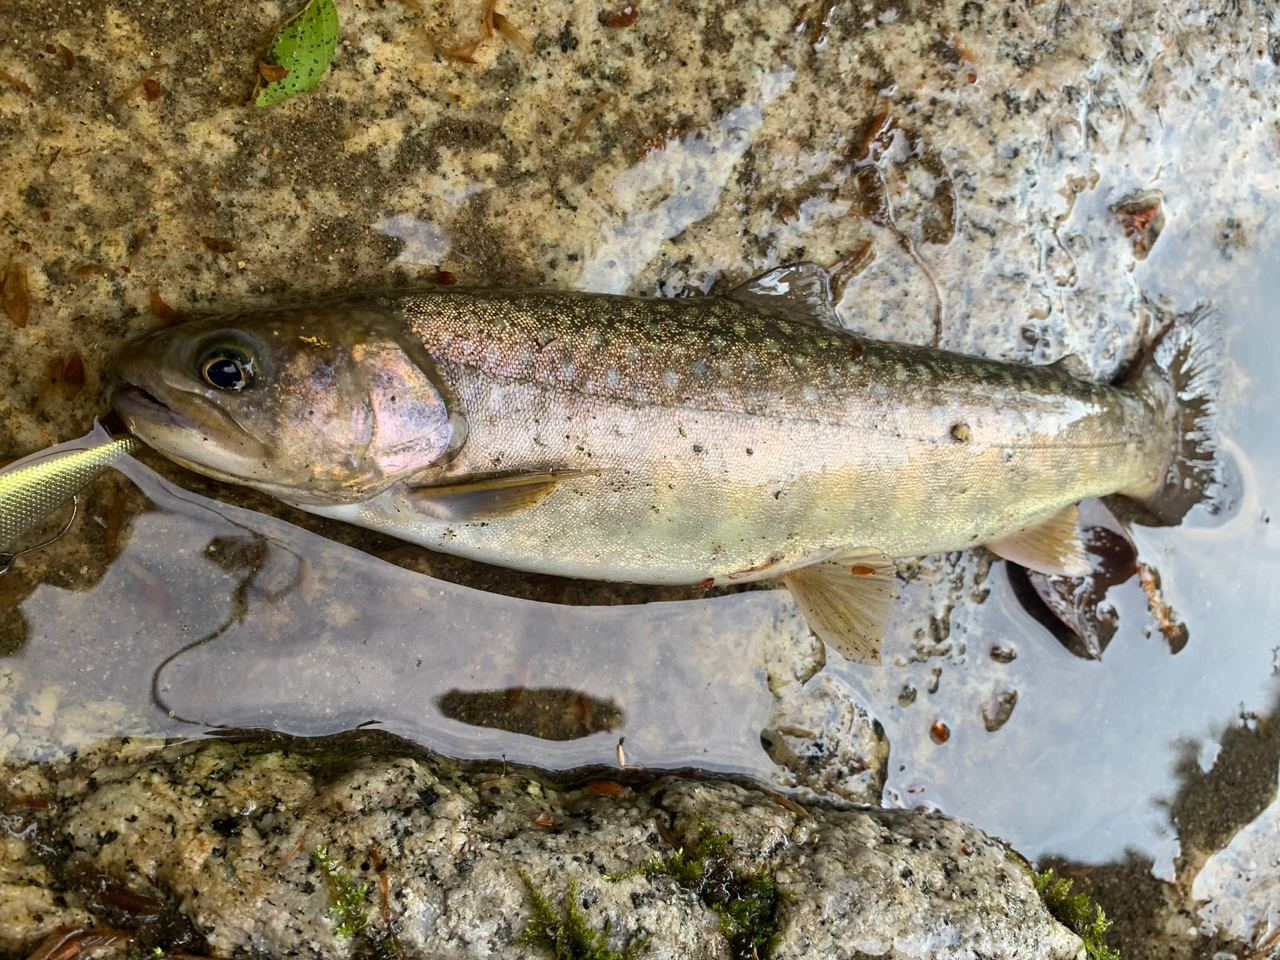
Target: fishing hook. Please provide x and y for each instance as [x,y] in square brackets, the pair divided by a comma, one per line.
[7,559]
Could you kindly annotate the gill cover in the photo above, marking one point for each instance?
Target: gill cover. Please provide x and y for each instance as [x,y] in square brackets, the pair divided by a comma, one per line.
[320,404]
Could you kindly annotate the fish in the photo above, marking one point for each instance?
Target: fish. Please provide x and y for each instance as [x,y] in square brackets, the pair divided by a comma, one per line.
[33,489]
[703,441]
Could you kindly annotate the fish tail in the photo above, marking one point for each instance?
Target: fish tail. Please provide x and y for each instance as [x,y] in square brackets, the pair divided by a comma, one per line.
[1180,373]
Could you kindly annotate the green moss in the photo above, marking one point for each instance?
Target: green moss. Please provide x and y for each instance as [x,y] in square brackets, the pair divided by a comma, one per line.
[747,903]
[1078,914]
[348,896]
[348,909]
[565,933]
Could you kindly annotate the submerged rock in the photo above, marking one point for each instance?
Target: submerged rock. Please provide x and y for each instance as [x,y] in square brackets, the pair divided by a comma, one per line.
[250,848]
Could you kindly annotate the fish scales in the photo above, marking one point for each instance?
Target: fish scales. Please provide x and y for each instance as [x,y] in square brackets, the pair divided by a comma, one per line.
[862,454]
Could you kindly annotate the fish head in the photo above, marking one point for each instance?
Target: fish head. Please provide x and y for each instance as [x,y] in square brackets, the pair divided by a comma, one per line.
[313,405]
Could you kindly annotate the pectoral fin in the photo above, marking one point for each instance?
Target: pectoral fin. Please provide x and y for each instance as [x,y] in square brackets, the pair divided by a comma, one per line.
[489,497]
[847,601]
[1052,547]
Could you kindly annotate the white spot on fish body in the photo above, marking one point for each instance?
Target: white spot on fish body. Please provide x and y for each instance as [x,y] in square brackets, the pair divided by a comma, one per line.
[670,380]
[612,379]
[569,371]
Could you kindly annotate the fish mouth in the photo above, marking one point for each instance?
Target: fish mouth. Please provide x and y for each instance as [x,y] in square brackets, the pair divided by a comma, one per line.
[140,408]
[206,440]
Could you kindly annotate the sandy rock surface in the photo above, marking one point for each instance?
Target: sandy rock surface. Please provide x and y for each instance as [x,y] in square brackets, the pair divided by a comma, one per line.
[222,840]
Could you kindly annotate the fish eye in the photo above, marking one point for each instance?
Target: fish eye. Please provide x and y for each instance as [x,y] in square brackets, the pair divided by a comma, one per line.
[227,369]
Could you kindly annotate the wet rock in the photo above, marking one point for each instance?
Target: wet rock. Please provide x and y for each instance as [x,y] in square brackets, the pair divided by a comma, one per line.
[1239,887]
[821,735]
[425,859]
[828,742]
[1141,219]
[998,710]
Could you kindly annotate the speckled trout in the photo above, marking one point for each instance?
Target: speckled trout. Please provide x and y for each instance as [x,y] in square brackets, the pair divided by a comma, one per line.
[700,441]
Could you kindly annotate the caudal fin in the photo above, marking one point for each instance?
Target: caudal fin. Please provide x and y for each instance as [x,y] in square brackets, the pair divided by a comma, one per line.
[1182,370]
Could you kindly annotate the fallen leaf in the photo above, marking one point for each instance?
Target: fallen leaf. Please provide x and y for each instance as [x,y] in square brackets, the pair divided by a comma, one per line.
[1141,219]
[16,295]
[271,73]
[73,373]
[218,246]
[162,309]
[10,78]
[151,88]
[304,47]
[464,53]
[609,788]
[621,18]
[512,33]
[63,377]
[590,114]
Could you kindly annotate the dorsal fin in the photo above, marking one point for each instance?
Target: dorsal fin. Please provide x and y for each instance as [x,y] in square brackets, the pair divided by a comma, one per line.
[800,292]
[1073,366]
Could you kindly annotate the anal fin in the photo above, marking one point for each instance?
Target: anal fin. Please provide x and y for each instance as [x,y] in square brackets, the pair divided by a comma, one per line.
[847,601]
[1052,547]
[489,497]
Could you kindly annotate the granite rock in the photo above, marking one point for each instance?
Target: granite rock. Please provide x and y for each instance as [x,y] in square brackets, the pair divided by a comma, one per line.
[225,835]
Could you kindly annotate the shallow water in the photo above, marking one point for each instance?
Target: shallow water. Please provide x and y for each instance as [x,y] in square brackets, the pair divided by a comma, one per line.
[231,618]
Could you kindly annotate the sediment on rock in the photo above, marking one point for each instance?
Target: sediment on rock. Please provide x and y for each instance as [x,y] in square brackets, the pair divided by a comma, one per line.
[235,849]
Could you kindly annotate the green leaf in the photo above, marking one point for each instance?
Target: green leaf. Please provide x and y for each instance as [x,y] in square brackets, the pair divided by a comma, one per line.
[304,46]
